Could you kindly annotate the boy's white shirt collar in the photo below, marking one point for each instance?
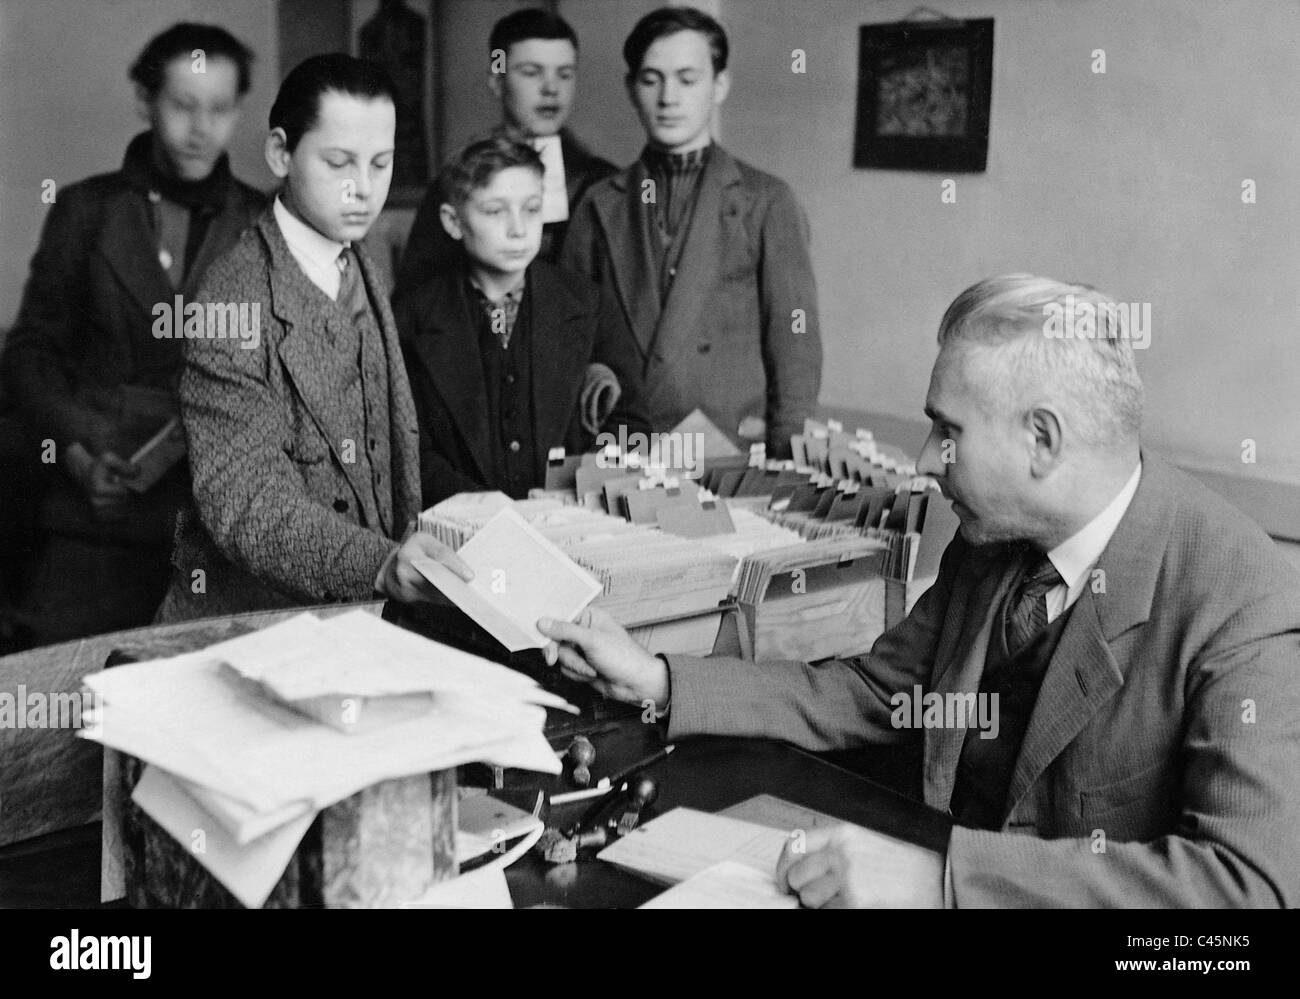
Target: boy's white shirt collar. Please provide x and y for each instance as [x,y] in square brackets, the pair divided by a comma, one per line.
[1077,554]
[317,255]
[555,192]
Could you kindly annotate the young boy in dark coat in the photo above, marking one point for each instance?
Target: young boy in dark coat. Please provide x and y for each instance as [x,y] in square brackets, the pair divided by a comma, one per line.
[498,348]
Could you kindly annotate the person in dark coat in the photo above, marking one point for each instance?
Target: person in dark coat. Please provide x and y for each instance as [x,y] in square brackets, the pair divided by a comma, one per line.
[84,368]
[498,348]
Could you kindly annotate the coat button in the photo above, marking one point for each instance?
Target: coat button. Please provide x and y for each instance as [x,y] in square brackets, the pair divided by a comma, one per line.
[510,379]
[341,505]
[704,348]
[515,446]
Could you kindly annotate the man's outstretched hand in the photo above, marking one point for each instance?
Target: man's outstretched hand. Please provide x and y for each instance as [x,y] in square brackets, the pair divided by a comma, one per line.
[598,651]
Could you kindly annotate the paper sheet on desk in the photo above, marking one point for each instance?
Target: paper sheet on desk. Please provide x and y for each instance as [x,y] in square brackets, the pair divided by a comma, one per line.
[519,576]
[484,888]
[194,718]
[248,871]
[728,885]
[683,842]
[359,655]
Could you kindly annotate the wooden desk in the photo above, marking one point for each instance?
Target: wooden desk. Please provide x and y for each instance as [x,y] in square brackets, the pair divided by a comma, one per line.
[62,869]
[711,774]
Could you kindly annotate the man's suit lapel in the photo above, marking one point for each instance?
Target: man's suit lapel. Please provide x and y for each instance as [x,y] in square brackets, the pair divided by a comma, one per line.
[1084,673]
[1081,677]
[715,226]
[991,575]
[311,326]
[446,345]
[634,277]
[125,241]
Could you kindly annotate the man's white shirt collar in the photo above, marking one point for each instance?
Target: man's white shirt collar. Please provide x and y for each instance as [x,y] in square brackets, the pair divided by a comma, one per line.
[317,255]
[1077,554]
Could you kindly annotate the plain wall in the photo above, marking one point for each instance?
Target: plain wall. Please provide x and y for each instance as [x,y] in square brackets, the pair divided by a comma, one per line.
[67,109]
[1130,181]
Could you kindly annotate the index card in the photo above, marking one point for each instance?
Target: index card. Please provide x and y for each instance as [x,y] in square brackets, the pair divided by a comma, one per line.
[519,576]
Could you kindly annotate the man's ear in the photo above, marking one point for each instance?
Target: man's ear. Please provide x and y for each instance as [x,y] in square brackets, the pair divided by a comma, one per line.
[143,104]
[450,220]
[1044,426]
[494,84]
[721,87]
[277,152]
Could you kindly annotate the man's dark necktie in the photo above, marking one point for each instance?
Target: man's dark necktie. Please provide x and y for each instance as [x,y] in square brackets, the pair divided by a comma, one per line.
[985,767]
[1027,609]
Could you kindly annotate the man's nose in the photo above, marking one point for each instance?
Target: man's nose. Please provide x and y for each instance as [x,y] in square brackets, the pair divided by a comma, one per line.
[550,85]
[201,125]
[668,94]
[515,224]
[931,460]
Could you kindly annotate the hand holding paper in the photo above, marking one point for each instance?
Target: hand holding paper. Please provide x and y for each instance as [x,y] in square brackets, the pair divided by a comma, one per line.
[601,653]
[402,580]
[518,577]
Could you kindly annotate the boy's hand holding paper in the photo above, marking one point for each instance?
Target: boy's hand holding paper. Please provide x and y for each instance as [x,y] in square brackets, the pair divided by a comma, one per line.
[400,579]
[519,576]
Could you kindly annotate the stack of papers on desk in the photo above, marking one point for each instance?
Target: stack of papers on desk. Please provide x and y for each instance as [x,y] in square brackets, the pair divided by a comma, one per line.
[757,571]
[648,575]
[753,534]
[458,518]
[231,751]
[715,862]
[641,573]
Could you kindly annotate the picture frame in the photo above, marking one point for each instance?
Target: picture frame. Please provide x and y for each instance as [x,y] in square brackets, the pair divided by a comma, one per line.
[404,36]
[924,95]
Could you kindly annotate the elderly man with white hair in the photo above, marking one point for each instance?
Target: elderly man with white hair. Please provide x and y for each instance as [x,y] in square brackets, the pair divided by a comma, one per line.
[1139,637]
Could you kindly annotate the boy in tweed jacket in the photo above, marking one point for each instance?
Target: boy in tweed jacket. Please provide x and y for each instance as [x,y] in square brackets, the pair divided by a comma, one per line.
[302,433]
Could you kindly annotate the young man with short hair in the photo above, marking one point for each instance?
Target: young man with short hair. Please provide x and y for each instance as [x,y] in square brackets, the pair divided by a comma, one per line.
[533,72]
[82,365]
[303,438]
[708,256]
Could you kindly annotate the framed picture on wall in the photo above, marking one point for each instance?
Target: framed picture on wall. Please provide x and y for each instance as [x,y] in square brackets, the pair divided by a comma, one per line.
[402,36]
[924,90]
